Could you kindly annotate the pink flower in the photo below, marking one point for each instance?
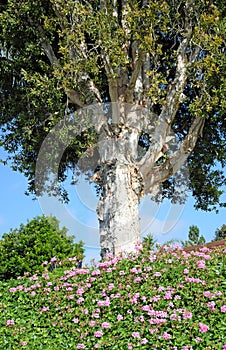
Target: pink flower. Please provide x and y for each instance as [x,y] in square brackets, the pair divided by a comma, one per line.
[96,272]
[136,335]
[137,279]
[224,346]
[81,346]
[160,289]
[75,320]
[156,298]
[24,343]
[167,335]
[167,296]
[33,278]
[153,330]
[141,318]
[144,341]
[211,305]
[121,273]
[92,323]
[32,293]
[80,300]
[186,271]
[157,274]
[9,322]
[98,334]
[12,290]
[207,294]
[170,305]
[45,308]
[187,315]
[197,340]
[201,264]
[80,291]
[105,325]
[111,286]
[223,308]
[119,317]
[53,259]
[203,327]
[96,346]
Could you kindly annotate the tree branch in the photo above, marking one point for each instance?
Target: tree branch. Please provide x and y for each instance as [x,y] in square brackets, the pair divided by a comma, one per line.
[132,83]
[173,96]
[158,174]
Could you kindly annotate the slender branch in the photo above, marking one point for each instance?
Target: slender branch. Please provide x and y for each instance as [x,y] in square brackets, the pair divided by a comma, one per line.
[47,47]
[132,83]
[112,82]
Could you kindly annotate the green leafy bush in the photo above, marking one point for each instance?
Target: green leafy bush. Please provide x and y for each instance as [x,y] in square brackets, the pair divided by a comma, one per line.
[25,249]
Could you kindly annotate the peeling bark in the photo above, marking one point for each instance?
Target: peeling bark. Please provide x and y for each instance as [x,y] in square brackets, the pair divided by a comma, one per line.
[118,208]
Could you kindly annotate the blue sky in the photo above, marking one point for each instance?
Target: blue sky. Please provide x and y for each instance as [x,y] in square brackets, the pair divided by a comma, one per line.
[164,221]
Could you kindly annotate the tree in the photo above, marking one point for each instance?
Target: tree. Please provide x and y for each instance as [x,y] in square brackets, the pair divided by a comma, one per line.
[25,249]
[149,241]
[194,237]
[220,233]
[147,68]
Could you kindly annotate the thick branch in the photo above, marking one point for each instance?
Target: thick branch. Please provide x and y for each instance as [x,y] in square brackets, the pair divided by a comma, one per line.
[173,96]
[158,174]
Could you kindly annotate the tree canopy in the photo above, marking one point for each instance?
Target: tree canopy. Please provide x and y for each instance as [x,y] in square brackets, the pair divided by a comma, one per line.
[220,233]
[166,56]
[194,237]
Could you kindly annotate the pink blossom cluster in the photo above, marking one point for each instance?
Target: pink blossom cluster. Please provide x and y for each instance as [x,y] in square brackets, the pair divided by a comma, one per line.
[9,323]
[194,280]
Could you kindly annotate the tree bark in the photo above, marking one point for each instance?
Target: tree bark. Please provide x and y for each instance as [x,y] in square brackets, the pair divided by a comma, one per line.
[118,208]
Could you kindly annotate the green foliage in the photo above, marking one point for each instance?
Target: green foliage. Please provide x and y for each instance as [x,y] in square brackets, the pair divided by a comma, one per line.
[25,249]
[151,300]
[220,233]
[194,237]
[149,241]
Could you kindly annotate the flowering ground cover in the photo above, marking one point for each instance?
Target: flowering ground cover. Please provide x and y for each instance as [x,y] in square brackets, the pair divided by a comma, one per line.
[162,299]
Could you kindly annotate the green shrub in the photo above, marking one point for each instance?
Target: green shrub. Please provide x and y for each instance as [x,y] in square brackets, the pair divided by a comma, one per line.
[25,249]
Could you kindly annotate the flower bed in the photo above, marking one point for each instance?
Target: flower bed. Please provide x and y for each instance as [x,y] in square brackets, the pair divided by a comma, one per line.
[166,299]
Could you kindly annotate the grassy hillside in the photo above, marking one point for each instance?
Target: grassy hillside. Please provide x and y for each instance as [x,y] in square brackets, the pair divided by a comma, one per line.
[163,299]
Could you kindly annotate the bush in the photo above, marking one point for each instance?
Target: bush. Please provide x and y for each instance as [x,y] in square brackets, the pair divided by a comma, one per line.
[25,249]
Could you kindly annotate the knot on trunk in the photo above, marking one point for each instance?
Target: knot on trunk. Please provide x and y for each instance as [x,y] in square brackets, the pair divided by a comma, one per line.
[136,181]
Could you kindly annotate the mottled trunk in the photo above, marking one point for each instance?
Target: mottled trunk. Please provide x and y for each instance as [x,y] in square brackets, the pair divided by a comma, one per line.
[118,208]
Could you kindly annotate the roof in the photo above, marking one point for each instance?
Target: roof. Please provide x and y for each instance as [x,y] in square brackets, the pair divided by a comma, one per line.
[210,245]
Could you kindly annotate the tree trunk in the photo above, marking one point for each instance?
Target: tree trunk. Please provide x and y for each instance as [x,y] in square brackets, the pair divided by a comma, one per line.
[118,208]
